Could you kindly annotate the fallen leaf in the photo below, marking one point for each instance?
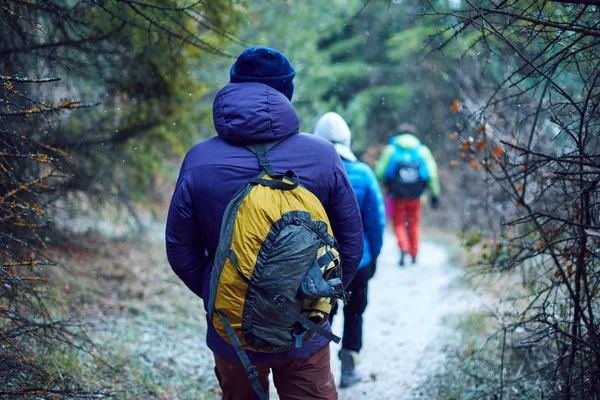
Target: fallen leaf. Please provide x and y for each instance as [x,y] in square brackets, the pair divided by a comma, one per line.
[455,107]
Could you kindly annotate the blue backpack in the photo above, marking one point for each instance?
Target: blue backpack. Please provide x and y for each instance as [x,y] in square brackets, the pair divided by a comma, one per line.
[407,174]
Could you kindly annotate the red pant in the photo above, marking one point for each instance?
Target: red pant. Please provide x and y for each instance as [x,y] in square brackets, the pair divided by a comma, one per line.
[407,224]
[302,379]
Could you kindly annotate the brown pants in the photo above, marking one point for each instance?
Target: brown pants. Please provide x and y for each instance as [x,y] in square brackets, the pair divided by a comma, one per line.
[302,379]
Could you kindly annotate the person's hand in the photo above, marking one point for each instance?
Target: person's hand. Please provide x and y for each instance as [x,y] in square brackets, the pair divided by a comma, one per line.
[435,202]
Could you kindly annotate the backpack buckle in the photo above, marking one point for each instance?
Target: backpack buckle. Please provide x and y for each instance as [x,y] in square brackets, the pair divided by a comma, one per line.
[252,372]
[299,338]
[265,162]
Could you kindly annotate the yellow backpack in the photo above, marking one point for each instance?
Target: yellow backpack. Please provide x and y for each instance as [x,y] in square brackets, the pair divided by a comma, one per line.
[277,270]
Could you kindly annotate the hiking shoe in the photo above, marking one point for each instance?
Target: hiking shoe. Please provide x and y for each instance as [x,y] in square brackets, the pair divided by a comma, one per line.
[350,378]
[402,254]
[349,360]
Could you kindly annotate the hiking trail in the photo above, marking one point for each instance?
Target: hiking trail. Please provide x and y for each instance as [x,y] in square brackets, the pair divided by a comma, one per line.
[406,326]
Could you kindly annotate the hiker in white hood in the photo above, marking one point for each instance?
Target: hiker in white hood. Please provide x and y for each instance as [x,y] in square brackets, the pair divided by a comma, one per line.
[332,127]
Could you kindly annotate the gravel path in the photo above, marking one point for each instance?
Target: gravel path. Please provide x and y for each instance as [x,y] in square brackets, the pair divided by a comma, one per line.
[404,326]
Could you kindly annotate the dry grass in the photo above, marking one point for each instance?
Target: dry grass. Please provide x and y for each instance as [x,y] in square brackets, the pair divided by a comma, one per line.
[148,328]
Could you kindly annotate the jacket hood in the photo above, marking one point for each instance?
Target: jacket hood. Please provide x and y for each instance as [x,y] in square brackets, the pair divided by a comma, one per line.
[406,141]
[251,112]
[332,127]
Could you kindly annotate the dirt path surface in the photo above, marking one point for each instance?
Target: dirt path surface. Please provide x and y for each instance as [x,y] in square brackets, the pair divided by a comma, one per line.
[404,322]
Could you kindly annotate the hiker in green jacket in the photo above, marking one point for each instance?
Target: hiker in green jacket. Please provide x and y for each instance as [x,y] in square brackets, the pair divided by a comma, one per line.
[407,167]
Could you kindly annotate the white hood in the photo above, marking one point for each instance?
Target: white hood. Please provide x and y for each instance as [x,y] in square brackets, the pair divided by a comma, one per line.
[332,127]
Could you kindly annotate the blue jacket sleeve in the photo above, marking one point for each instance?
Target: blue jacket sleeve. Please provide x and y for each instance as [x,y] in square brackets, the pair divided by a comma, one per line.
[373,212]
[186,246]
[346,223]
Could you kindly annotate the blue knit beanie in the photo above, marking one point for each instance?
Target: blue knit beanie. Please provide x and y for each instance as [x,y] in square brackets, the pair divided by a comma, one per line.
[264,65]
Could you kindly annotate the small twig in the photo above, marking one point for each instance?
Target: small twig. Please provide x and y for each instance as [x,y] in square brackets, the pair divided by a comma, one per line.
[27,80]
[502,364]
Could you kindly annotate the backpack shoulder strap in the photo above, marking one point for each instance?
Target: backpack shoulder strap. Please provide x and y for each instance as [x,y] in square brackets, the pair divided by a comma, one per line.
[398,149]
[260,150]
[418,153]
[251,370]
[277,182]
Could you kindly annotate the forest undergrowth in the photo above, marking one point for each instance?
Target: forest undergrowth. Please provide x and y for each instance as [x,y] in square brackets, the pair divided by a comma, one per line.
[147,330]
[484,358]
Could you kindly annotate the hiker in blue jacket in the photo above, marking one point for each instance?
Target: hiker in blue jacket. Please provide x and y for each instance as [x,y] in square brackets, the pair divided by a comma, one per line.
[255,108]
[332,127]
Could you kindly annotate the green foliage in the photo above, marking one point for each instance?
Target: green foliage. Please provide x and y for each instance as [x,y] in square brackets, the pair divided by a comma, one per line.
[343,64]
[139,60]
[368,64]
[409,42]
[134,57]
[470,239]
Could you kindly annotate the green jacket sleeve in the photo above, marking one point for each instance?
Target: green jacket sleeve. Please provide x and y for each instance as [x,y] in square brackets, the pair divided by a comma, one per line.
[434,181]
[382,162]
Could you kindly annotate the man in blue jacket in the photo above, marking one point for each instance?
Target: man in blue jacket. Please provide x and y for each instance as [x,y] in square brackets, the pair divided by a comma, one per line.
[255,108]
[332,127]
